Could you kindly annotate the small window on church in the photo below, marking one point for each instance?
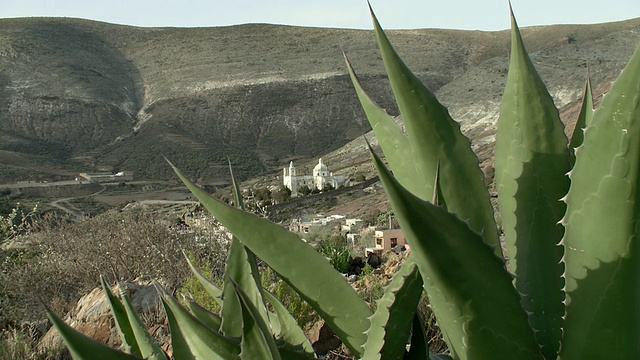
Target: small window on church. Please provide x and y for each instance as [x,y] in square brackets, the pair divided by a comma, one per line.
[394,242]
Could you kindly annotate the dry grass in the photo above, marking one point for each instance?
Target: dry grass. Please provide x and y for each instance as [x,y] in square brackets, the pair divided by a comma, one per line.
[61,262]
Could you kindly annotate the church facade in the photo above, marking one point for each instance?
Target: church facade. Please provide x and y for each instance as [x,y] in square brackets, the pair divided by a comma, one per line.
[320,178]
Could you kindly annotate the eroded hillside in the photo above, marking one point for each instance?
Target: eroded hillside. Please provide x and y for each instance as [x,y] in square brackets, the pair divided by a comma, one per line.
[77,94]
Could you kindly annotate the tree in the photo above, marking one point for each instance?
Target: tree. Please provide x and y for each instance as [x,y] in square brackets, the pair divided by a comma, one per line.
[262,194]
[281,195]
[328,187]
[386,220]
[304,190]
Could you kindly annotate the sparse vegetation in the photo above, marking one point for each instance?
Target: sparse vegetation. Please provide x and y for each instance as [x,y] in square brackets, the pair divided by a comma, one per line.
[60,261]
[21,344]
[338,253]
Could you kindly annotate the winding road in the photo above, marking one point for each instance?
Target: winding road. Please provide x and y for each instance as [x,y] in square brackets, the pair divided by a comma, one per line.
[74,212]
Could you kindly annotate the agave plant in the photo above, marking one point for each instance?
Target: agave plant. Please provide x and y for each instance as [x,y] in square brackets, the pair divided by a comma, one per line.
[568,290]
[572,289]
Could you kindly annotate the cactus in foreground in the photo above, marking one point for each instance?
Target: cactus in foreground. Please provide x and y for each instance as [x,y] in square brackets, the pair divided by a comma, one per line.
[572,241]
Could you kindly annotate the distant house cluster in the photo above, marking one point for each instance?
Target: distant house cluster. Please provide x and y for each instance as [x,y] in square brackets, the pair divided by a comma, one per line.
[352,229]
[303,225]
[107,176]
[320,179]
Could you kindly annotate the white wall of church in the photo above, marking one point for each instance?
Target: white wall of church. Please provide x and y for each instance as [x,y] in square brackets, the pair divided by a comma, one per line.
[320,178]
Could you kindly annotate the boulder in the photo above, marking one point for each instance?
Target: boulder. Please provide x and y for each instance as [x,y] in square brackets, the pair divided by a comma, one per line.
[92,316]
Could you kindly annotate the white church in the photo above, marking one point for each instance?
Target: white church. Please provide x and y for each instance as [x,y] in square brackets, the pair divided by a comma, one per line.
[321,177]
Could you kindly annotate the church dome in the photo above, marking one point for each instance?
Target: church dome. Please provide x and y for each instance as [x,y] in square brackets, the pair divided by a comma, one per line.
[320,166]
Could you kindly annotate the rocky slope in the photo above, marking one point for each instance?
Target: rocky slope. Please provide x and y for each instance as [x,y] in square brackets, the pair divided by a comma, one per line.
[78,94]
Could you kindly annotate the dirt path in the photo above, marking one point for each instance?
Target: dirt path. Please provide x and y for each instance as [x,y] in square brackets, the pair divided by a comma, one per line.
[75,212]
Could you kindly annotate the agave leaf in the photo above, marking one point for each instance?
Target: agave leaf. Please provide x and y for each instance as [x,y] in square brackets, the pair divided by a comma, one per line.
[257,342]
[391,323]
[601,241]
[307,272]
[208,318]
[209,286]
[419,349]
[83,347]
[469,289]
[394,143]
[241,266]
[192,339]
[237,195]
[290,332]
[179,345]
[438,198]
[149,349]
[584,119]
[531,165]
[435,137]
[122,321]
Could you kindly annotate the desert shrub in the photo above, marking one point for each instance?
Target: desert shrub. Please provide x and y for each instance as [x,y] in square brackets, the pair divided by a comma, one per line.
[62,261]
[21,343]
[16,221]
[302,312]
[339,255]
[433,334]
[370,286]
[192,288]
[318,234]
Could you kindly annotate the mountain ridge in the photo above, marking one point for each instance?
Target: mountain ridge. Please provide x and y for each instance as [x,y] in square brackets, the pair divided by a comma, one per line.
[88,95]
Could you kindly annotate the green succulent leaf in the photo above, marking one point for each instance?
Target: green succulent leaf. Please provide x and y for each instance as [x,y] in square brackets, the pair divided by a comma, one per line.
[584,119]
[237,195]
[419,349]
[83,347]
[149,349]
[208,318]
[435,138]
[531,164]
[209,287]
[307,272]
[192,339]
[122,321]
[241,266]
[391,323]
[469,289]
[257,341]
[290,332]
[602,253]
[394,143]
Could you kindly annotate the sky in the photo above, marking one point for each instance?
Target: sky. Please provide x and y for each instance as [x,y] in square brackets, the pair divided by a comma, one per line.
[485,15]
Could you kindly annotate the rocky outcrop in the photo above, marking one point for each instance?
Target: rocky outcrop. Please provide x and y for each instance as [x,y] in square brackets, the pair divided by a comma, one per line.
[92,316]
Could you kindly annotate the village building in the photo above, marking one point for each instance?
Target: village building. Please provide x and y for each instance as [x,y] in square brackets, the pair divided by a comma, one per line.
[320,179]
[121,176]
[353,225]
[304,224]
[388,240]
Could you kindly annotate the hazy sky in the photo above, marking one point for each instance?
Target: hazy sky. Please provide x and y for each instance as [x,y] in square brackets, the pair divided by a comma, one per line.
[393,14]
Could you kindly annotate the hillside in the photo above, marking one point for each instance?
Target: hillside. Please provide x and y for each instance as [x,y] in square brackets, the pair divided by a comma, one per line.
[83,95]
